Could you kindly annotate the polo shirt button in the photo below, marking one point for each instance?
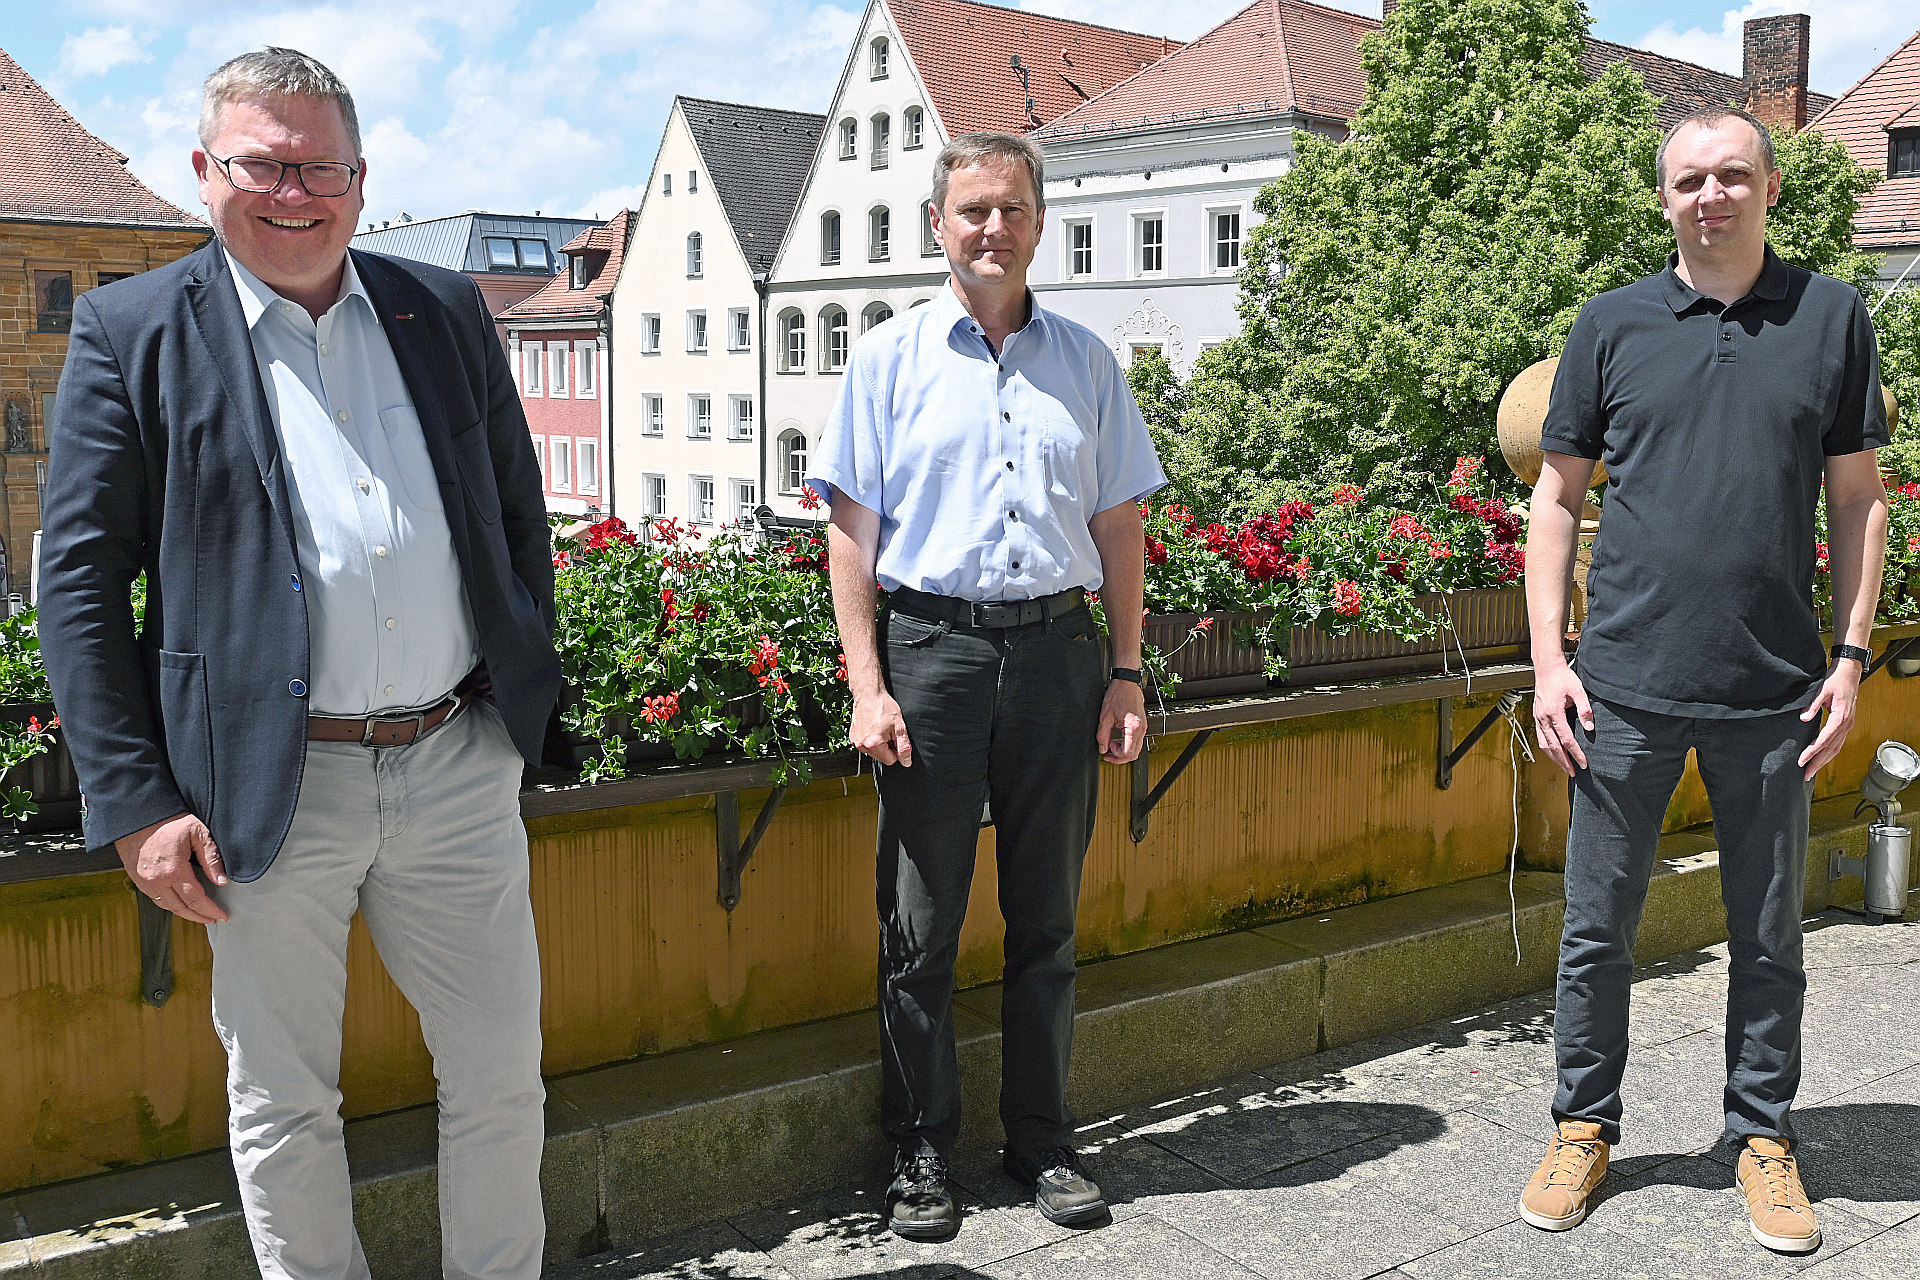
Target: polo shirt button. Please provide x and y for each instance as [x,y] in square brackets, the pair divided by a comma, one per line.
[1726,337]
[298,688]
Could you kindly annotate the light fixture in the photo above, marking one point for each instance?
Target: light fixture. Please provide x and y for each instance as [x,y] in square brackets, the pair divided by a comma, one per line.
[1889,844]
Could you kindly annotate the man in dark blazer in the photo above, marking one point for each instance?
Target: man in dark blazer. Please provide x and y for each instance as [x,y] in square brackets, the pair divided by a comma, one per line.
[319,461]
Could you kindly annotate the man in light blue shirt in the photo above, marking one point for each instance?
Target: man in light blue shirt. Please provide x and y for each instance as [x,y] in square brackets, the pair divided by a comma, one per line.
[984,464]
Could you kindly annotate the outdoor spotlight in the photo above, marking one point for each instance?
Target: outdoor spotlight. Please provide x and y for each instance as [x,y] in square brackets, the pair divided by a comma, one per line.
[1889,844]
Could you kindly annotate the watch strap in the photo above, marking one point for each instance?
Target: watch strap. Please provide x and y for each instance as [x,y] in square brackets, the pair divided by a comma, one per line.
[1865,656]
[1129,674]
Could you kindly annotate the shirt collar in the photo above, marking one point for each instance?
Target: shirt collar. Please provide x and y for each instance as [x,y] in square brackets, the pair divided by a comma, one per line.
[256,295]
[1772,284]
[949,312]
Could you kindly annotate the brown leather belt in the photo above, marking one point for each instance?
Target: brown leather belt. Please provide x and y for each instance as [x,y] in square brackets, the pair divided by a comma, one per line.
[388,731]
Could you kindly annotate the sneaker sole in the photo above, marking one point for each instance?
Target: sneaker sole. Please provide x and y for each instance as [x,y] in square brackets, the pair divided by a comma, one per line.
[1073,1216]
[923,1230]
[1545,1223]
[1784,1244]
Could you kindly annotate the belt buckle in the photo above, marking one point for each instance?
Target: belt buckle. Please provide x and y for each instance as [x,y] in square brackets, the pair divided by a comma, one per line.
[419,719]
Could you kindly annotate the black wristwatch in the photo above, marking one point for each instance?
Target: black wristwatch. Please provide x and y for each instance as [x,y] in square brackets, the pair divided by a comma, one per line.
[1864,656]
[1129,674]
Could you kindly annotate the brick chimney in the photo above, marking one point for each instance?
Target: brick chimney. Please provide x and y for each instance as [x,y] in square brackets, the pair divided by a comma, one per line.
[1386,9]
[1774,69]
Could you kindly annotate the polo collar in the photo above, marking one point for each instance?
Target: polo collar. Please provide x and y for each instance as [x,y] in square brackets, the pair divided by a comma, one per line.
[1680,296]
[256,295]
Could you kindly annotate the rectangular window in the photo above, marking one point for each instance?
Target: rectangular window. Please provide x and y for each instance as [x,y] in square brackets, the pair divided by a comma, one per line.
[654,489]
[697,331]
[699,417]
[650,334]
[882,132]
[700,498]
[535,356]
[739,417]
[108,277]
[586,373]
[540,456]
[879,234]
[1080,248]
[912,131]
[1150,242]
[1903,154]
[561,451]
[589,466]
[849,139]
[53,300]
[666,184]
[577,271]
[533,255]
[558,386]
[746,496]
[1135,349]
[1226,240]
[653,410]
[501,255]
[739,329]
[693,181]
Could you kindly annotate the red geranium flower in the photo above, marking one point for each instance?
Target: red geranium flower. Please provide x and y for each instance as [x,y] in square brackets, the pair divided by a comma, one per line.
[1464,470]
[1347,495]
[1346,598]
[660,708]
[1156,550]
[809,500]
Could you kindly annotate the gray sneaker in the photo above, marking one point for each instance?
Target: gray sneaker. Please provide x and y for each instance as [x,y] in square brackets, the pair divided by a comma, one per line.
[919,1205]
[1062,1190]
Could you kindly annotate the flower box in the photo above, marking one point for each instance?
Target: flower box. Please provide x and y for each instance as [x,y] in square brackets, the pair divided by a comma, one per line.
[1477,626]
[1211,663]
[49,775]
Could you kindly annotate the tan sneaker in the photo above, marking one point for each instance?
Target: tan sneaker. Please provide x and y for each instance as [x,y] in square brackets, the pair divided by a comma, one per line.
[1777,1203]
[1556,1195]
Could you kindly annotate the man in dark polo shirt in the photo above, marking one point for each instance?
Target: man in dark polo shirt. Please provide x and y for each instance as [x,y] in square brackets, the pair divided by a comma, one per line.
[1719,392]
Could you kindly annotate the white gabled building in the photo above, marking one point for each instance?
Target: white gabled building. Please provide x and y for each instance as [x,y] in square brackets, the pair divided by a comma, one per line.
[687,373]
[860,247]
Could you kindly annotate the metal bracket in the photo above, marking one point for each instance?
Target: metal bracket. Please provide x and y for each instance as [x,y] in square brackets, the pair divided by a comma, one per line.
[156,951]
[733,853]
[1145,797]
[1446,755]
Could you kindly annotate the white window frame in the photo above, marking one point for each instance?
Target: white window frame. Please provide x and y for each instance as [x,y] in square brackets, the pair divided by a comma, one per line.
[653,490]
[696,255]
[560,472]
[693,181]
[929,243]
[651,331]
[849,138]
[586,371]
[880,141]
[540,456]
[880,234]
[695,499]
[558,381]
[828,362]
[586,451]
[739,329]
[666,183]
[1214,212]
[653,413]
[699,411]
[867,322]
[913,129]
[793,324]
[743,511]
[830,251]
[535,356]
[877,57]
[789,482]
[697,335]
[1070,250]
[736,430]
[1137,244]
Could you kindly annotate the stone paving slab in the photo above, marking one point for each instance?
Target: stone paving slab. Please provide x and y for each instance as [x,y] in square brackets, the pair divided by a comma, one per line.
[1402,1156]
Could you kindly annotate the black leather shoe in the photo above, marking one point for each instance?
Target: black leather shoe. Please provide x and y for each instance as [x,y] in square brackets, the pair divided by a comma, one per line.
[919,1206]
[1062,1191]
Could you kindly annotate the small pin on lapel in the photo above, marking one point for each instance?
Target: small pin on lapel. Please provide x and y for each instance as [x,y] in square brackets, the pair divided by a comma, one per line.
[406,316]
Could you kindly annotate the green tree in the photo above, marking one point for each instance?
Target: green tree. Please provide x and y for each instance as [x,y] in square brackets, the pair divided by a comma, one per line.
[1400,279]
[1897,326]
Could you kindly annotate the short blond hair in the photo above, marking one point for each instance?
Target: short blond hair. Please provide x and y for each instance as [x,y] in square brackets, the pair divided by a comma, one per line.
[273,72]
[970,149]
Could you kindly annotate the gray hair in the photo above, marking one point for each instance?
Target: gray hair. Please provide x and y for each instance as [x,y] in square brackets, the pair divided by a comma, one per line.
[970,149]
[273,73]
[1707,118]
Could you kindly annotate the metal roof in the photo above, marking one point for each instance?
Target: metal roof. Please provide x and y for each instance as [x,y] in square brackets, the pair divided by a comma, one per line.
[454,241]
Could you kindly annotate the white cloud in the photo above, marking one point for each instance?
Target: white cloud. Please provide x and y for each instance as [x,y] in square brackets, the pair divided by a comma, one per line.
[608,202]
[98,50]
[1847,37]
[1157,18]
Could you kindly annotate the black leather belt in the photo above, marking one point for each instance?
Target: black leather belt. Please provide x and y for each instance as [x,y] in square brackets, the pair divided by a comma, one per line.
[989,614]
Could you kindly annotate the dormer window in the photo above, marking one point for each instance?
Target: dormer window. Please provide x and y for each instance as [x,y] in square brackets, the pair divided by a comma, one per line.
[879,59]
[1903,153]
[577,268]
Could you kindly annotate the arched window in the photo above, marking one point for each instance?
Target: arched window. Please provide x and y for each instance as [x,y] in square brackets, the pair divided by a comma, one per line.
[876,313]
[913,128]
[793,342]
[879,234]
[833,339]
[829,239]
[693,254]
[793,461]
[878,59]
[849,138]
[882,135]
[929,246]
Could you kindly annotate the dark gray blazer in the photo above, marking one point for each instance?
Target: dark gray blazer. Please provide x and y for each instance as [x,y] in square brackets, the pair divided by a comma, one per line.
[165,458]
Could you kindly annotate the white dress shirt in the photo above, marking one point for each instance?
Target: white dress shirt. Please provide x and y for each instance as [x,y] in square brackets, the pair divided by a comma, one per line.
[986,470]
[387,610]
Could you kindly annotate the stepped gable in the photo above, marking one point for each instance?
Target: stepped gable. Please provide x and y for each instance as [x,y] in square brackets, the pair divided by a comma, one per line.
[757,159]
[51,167]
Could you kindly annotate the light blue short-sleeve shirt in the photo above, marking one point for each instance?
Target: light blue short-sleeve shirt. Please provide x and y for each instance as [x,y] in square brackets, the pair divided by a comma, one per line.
[986,471]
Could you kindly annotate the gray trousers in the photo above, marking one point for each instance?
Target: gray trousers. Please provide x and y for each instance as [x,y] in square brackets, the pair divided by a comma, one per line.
[425,841]
[1007,716]
[1760,820]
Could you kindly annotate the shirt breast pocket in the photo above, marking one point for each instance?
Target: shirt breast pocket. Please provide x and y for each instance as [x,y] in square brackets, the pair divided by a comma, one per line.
[1067,454]
[413,469]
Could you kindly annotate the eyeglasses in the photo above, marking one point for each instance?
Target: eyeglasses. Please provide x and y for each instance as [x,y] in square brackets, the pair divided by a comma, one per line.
[259,174]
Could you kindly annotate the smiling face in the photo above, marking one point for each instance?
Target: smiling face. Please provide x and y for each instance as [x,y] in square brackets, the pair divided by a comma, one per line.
[295,242]
[990,224]
[1718,190]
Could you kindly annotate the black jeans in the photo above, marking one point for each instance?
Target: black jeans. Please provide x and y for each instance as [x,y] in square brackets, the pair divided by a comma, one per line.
[1006,716]
[1761,808]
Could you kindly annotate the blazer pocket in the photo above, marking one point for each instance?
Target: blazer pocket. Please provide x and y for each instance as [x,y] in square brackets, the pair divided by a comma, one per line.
[470,447]
[188,722]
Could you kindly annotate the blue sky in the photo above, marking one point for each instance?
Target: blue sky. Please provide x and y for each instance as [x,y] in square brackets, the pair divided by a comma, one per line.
[513,105]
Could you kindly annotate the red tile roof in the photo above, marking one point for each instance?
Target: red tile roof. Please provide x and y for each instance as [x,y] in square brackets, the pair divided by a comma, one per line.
[964,51]
[1886,97]
[557,300]
[50,167]
[1279,56]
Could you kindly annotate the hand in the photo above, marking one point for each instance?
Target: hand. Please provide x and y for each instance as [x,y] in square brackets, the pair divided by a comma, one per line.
[160,859]
[1554,691]
[1123,722]
[880,731]
[1838,694]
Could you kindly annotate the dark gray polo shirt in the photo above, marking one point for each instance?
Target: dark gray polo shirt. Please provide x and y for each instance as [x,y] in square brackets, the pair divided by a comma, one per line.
[1715,424]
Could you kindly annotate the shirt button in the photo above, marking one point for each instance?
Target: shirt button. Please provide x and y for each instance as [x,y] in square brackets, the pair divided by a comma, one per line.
[323,348]
[389,688]
[1009,464]
[1013,515]
[1007,417]
[298,688]
[381,552]
[362,482]
[1016,564]
[342,415]
[389,624]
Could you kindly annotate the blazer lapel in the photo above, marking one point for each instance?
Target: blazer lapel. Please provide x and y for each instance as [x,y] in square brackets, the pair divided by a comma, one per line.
[215,303]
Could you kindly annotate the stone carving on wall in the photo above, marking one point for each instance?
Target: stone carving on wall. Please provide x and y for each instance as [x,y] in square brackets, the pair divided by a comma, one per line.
[1149,324]
[17,441]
